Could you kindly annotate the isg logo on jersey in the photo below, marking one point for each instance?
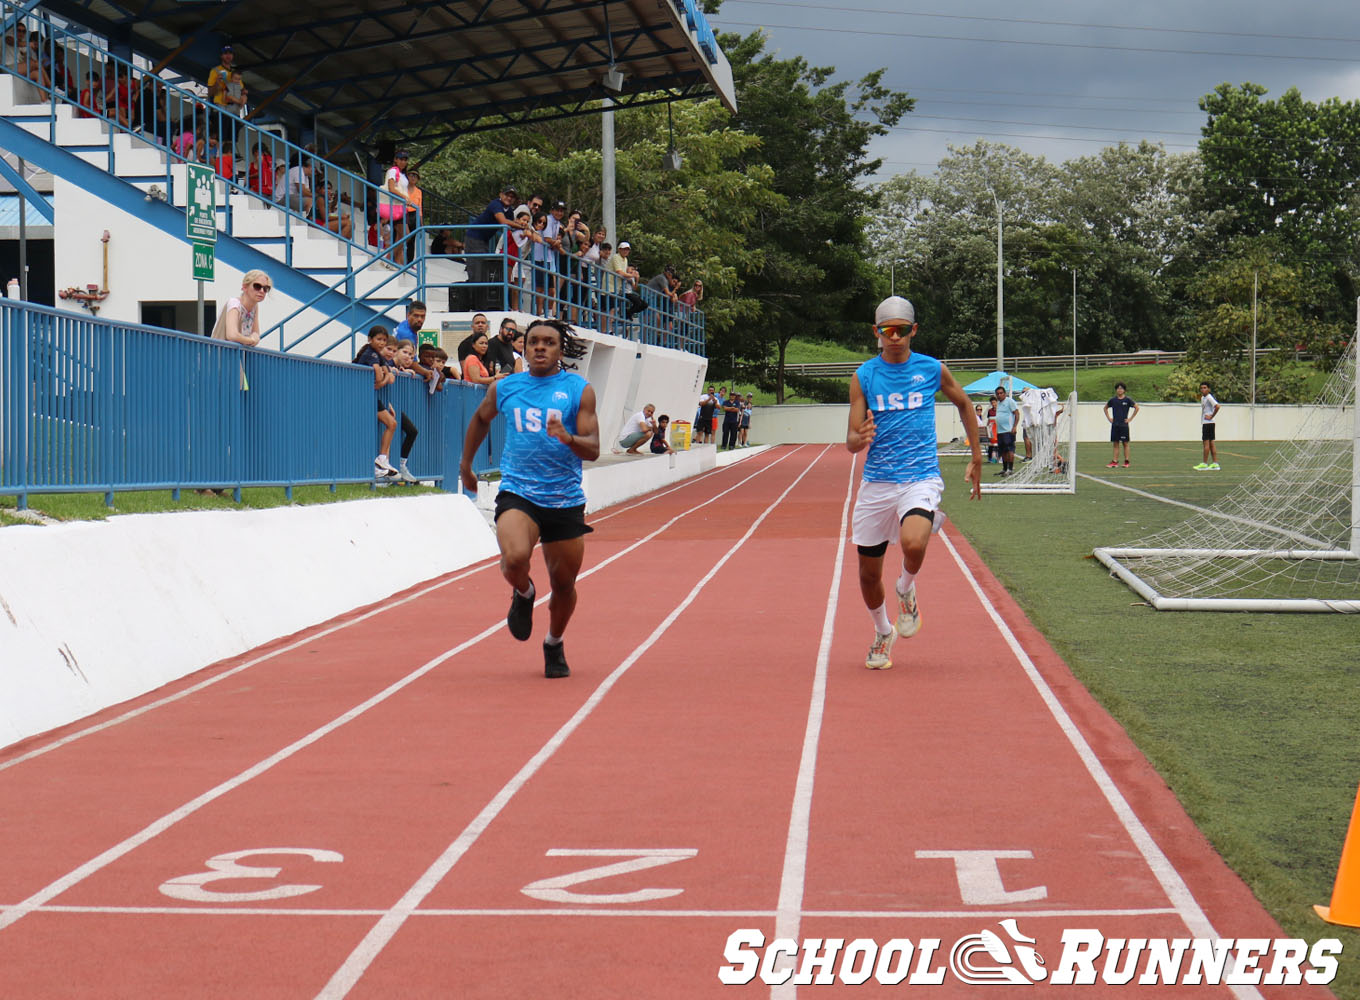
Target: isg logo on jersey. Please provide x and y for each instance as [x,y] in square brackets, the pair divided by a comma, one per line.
[895,401]
[533,419]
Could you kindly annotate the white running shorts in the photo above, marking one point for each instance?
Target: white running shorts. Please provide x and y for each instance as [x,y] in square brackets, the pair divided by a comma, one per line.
[880,507]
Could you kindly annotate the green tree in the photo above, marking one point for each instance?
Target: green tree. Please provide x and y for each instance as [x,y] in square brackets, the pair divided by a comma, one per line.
[815,276]
[1289,168]
[1220,351]
[695,219]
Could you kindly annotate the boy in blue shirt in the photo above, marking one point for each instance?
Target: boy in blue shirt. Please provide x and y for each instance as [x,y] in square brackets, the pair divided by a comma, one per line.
[550,428]
[892,413]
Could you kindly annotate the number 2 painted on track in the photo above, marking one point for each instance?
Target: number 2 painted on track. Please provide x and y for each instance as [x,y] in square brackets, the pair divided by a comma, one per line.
[556,889]
[226,867]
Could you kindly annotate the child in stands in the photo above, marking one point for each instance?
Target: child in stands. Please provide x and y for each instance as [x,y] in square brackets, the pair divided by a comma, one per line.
[374,353]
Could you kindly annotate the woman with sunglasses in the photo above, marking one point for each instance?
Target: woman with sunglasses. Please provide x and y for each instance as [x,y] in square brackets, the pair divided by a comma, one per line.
[239,320]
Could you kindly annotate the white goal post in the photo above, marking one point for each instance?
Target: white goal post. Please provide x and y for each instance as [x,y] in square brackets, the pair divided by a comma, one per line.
[1052,467]
[1287,539]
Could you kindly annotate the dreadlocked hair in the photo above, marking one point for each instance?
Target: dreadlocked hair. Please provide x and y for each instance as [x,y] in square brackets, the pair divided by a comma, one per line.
[573,347]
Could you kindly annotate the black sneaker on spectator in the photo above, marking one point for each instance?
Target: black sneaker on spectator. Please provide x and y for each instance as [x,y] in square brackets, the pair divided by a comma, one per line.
[520,618]
[555,661]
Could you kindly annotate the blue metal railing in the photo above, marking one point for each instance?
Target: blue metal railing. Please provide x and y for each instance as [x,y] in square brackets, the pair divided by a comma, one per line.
[583,293]
[94,406]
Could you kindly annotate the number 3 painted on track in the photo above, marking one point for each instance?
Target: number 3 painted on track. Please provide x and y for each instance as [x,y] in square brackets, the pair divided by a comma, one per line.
[555,890]
[225,866]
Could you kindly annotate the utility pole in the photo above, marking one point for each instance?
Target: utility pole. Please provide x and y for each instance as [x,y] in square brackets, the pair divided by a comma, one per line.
[1000,289]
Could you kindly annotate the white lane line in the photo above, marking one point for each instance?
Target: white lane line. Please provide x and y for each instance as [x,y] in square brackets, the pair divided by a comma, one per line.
[313,637]
[264,911]
[793,881]
[43,896]
[1186,906]
[386,928]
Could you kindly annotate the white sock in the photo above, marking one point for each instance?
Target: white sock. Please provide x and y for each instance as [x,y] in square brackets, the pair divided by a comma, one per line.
[527,594]
[552,640]
[880,616]
[905,581]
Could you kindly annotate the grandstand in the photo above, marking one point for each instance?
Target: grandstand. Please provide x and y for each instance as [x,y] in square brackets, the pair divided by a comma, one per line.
[107,195]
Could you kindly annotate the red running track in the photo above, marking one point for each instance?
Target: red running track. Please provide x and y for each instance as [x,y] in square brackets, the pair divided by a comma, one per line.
[398,804]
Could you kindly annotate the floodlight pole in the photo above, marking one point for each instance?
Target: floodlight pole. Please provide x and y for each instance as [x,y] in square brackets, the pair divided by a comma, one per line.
[607,170]
[1000,293]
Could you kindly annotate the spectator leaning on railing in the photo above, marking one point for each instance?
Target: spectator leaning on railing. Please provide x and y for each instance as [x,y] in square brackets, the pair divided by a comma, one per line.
[483,231]
[239,320]
[384,374]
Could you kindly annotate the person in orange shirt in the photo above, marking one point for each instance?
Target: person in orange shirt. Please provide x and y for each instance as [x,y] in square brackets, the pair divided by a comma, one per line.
[415,199]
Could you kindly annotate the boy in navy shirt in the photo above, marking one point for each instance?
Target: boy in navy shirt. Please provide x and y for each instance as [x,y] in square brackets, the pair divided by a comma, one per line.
[1120,411]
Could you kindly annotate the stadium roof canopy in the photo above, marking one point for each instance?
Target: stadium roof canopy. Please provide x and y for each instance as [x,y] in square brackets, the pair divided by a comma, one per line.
[429,69]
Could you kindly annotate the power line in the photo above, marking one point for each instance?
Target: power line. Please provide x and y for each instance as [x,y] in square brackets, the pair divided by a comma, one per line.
[932,101]
[1216,32]
[1090,46]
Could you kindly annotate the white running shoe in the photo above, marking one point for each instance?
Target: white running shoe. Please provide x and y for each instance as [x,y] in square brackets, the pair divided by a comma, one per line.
[382,469]
[406,473]
[909,619]
[880,653]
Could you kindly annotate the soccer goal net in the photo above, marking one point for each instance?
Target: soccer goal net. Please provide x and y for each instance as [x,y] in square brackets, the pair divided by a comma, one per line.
[1049,424]
[1286,539]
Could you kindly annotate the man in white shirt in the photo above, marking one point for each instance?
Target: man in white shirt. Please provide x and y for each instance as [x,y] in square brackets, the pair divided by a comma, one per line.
[1208,410]
[638,431]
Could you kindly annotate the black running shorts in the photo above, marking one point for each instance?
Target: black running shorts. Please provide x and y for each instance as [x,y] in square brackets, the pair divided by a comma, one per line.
[555,524]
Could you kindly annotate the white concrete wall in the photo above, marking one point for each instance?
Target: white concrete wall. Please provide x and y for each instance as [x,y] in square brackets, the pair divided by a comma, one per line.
[824,423]
[95,613]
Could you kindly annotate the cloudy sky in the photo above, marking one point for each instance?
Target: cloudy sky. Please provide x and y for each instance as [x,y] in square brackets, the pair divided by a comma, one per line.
[1061,78]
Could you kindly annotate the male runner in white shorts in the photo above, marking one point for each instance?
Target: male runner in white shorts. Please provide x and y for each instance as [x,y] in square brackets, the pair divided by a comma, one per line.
[892,413]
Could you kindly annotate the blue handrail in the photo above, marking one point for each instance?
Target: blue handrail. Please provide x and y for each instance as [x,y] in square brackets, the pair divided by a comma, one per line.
[580,291]
[90,405]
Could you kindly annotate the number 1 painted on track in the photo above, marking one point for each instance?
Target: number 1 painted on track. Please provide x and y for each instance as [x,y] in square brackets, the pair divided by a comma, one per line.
[556,889]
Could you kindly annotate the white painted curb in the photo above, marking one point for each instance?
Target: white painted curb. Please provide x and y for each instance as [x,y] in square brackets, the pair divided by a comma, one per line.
[93,613]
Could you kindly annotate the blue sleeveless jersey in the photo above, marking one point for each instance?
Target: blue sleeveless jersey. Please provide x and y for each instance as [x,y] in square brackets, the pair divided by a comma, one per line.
[902,400]
[534,464]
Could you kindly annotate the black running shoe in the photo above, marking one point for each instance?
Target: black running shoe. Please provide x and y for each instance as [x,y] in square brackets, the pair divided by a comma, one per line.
[555,661]
[520,618]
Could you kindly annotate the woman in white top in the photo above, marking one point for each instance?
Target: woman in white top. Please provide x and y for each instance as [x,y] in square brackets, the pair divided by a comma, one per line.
[240,317]
[392,205]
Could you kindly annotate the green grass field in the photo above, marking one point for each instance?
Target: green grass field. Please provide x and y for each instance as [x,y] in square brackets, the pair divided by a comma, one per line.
[1252,719]
[1144,382]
